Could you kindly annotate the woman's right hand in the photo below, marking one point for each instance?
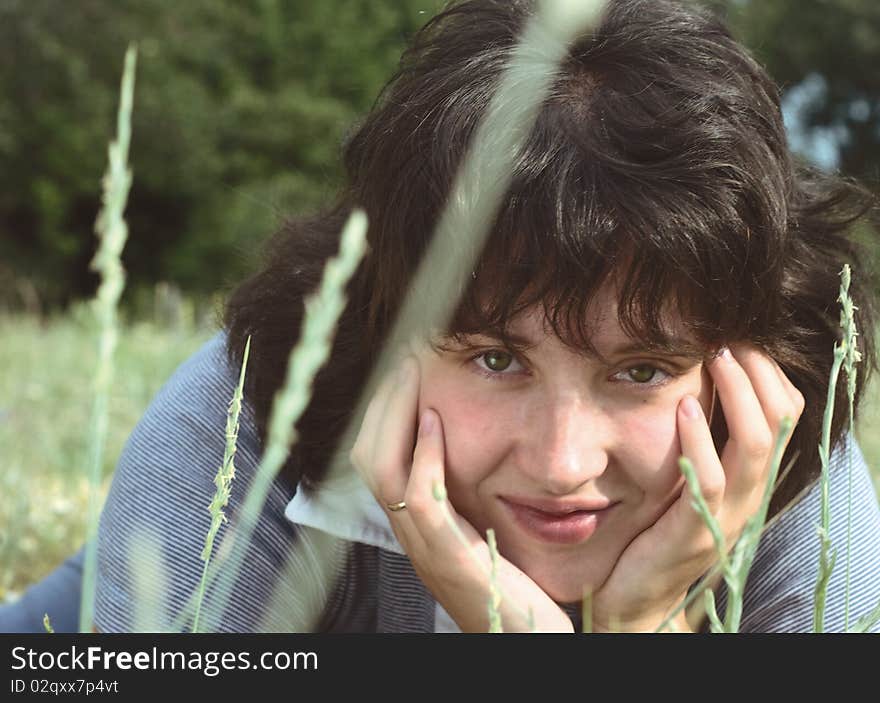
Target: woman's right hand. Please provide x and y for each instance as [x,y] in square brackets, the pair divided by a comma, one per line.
[448,554]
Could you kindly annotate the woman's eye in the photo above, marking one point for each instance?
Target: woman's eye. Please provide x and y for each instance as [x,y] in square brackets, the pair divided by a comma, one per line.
[642,374]
[645,375]
[496,362]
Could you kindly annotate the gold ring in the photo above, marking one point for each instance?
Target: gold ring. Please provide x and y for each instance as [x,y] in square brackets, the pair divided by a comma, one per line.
[394,507]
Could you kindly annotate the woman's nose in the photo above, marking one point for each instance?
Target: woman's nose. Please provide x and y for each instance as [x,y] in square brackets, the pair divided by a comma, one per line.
[569,445]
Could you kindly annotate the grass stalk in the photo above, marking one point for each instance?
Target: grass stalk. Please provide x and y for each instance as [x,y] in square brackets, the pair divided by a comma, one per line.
[475,195]
[867,621]
[112,233]
[851,358]
[494,590]
[711,612]
[149,583]
[735,566]
[708,578]
[587,612]
[322,311]
[223,481]
[826,560]
[527,614]
[479,186]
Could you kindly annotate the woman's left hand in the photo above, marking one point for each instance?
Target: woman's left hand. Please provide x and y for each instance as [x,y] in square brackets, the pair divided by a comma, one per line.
[652,576]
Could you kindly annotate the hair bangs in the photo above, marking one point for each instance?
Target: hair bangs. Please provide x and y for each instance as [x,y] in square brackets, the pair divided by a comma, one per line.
[536,264]
[573,225]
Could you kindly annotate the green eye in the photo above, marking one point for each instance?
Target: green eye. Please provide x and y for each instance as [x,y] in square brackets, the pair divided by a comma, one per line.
[642,374]
[497,360]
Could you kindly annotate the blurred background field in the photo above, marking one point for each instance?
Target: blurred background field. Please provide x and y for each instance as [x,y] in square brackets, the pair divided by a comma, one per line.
[240,109]
[46,377]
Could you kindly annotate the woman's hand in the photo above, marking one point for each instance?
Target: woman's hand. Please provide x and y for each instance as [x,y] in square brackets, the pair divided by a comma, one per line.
[653,574]
[448,554]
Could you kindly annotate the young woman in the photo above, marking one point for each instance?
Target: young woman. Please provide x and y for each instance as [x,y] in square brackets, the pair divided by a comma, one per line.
[661,278]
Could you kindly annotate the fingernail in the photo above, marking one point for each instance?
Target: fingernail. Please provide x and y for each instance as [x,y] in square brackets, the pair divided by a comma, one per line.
[426,426]
[691,407]
[724,354]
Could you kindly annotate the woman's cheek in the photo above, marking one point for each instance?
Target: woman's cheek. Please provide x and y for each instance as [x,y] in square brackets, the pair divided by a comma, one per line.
[654,457]
[467,419]
[661,446]
[472,432]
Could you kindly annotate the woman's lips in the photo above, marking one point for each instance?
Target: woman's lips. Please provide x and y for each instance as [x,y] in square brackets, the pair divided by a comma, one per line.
[568,527]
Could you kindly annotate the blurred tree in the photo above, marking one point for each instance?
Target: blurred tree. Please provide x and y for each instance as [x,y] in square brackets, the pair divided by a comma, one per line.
[831,48]
[241,105]
[240,108]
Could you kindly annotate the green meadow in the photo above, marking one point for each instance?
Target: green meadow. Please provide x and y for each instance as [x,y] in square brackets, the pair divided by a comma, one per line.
[46,396]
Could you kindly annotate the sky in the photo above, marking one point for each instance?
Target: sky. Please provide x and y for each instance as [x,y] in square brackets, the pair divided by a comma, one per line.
[821,145]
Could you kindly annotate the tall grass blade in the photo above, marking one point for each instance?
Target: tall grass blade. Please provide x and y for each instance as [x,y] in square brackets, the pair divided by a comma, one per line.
[149,583]
[852,357]
[223,481]
[712,612]
[494,590]
[323,309]
[747,546]
[867,621]
[707,580]
[479,186]
[842,350]
[734,567]
[112,233]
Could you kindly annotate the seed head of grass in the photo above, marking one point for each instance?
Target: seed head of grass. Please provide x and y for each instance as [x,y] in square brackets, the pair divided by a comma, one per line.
[223,480]
[322,311]
[112,233]
[736,565]
[852,356]
[494,590]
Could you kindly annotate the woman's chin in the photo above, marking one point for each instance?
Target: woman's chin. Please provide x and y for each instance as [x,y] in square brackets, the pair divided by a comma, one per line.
[564,589]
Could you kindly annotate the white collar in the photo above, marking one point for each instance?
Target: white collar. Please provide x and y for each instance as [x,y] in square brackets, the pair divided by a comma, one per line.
[345,508]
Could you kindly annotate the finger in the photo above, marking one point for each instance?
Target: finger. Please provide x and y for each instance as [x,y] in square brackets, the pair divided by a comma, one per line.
[696,442]
[425,493]
[430,524]
[682,527]
[767,382]
[797,398]
[446,534]
[749,440]
[747,485]
[393,451]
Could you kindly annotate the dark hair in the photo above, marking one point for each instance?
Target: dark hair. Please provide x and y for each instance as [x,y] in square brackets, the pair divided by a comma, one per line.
[660,154]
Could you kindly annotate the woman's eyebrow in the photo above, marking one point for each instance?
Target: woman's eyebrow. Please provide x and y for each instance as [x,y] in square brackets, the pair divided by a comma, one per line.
[518,340]
[674,347]
[678,348]
[682,349]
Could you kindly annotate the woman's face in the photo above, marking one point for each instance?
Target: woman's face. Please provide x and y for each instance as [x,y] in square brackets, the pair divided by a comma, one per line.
[530,439]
